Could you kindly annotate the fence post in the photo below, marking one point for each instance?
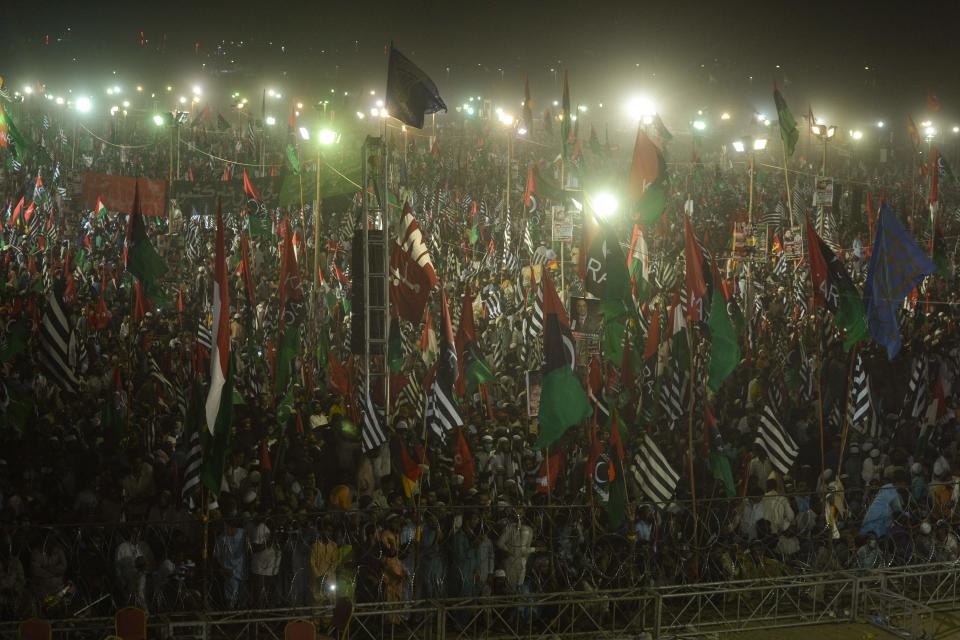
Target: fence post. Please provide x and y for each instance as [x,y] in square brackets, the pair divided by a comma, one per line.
[657,613]
[441,623]
[855,605]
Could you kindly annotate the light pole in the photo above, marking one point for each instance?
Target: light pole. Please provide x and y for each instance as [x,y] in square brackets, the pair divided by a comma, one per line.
[510,123]
[325,138]
[825,132]
[752,145]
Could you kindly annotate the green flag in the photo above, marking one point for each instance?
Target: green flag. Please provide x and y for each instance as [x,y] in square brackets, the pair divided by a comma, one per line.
[142,259]
[563,402]
[724,349]
[788,126]
[292,158]
[8,130]
[217,445]
[14,341]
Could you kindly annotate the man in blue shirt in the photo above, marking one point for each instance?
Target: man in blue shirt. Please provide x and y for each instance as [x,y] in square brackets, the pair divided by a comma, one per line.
[885,505]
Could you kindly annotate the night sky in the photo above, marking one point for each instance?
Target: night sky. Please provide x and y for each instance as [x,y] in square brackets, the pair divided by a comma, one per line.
[688,55]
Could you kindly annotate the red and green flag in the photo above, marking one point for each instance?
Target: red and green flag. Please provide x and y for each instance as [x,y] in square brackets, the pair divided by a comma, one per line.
[141,259]
[834,290]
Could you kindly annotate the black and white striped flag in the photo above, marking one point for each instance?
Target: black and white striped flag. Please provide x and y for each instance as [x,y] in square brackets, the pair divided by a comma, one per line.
[672,393]
[45,121]
[528,238]
[859,396]
[534,325]
[916,399]
[62,137]
[204,336]
[372,434]
[191,474]
[442,413]
[780,447]
[55,337]
[492,303]
[653,473]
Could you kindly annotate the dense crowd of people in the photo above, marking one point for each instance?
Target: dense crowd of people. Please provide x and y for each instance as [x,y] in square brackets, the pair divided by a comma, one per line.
[100,496]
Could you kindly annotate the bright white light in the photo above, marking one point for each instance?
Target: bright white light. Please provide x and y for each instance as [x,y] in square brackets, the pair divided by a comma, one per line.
[271,121]
[59,100]
[573,117]
[926,123]
[372,92]
[582,108]
[278,96]
[725,116]
[956,129]
[169,88]
[470,110]
[766,123]
[374,112]
[158,120]
[856,134]
[28,90]
[383,113]
[379,103]
[360,115]
[604,205]
[699,125]
[738,146]
[506,119]
[109,92]
[299,105]
[183,100]
[197,91]
[640,107]
[522,131]
[270,92]
[126,104]
[83,104]
[929,131]
[831,131]
[114,109]
[498,111]
[759,144]
[647,119]
[555,103]
[116,89]
[327,136]
[880,124]
[139,88]
[761,117]
[304,133]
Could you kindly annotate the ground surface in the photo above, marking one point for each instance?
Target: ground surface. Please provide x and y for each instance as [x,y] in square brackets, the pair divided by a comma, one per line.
[947,628]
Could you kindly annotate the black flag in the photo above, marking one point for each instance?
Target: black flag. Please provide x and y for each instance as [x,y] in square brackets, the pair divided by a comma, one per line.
[411,94]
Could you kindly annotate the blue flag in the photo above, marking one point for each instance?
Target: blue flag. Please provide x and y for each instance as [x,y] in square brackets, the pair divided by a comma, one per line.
[896,266]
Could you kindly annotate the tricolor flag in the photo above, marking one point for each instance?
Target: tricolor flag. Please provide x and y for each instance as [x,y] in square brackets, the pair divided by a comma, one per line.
[219,404]
[101,210]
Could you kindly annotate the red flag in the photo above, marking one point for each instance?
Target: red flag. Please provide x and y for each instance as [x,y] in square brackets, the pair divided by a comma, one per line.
[411,270]
[531,187]
[265,463]
[818,267]
[932,102]
[248,187]
[616,442]
[466,333]
[914,133]
[463,459]
[696,286]
[180,300]
[339,376]
[138,307]
[934,178]
[28,213]
[16,213]
[226,173]
[547,475]
[645,166]
[190,173]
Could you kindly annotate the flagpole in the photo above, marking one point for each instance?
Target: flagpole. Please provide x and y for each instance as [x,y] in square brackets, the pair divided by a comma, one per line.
[823,459]
[693,483]
[846,417]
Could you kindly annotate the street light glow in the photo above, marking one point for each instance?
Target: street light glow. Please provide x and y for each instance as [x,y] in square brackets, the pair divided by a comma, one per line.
[956,129]
[759,144]
[59,100]
[929,131]
[304,133]
[699,125]
[725,116]
[158,120]
[856,134]
[197,91]
[83,104]
[271,121]
[604,205]
[506,119]
[327,136]
[880,124]
[738,146]
[640,108]
[28,89]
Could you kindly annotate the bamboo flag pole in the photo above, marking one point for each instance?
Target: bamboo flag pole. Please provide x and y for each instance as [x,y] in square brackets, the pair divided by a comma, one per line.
[846,419]
[693,484]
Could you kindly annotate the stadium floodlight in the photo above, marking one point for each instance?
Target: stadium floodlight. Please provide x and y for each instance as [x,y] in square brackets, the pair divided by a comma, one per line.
[880,124]
[641,108]
[604,205]
[271,121]
[956,129]
[759,144]
[725,116]
[699,125]
[522,131]
[197,91]
[158,120]
[856,134]
[360,115]
[84,104]
[929,132]
[327,136]
[304,133]
[738,146]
